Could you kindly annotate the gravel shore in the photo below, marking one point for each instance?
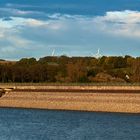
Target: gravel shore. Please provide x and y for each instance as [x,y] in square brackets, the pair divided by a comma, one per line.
[86,101]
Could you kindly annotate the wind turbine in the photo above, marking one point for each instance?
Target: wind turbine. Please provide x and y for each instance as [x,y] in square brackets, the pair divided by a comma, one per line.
[98,55]
[53,52]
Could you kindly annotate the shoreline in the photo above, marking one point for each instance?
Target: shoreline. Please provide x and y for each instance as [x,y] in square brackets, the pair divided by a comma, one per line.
[96,99]
[18,108]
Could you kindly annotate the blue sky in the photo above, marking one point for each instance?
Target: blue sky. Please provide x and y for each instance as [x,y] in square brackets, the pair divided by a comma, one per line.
[34,28]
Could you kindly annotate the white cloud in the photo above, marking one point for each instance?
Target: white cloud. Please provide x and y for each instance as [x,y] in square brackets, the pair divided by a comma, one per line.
[33,22]
[11,5]
[125,23]
[68,33]
[13,11]
[126,16]
[7,12]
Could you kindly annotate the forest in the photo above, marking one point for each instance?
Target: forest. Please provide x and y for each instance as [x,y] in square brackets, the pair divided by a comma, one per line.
[63,69]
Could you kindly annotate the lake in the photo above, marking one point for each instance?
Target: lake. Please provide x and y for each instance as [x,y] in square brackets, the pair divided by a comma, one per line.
[31,124]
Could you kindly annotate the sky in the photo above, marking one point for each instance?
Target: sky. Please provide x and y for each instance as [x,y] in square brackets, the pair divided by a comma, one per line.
[35,28]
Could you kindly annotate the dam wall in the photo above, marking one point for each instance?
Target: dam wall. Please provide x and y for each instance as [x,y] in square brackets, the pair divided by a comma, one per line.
[72,98]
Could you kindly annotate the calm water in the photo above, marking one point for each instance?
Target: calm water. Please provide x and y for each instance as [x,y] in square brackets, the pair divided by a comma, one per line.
[22,124]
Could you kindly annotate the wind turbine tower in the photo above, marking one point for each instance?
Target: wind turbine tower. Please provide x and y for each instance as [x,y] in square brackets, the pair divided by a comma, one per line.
[53,52]
[98,55]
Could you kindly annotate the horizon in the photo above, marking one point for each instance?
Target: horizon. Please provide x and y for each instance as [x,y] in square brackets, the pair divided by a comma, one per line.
[76,56]
[73,28]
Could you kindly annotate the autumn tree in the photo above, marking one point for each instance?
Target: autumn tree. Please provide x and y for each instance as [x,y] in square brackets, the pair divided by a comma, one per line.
[136,70]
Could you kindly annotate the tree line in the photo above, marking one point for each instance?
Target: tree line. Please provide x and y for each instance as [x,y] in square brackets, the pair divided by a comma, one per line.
[65,69]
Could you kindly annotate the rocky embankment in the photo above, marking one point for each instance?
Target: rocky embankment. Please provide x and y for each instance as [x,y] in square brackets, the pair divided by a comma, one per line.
[83,98]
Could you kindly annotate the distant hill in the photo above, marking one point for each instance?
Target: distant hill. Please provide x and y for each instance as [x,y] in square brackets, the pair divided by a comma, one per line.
[2,60]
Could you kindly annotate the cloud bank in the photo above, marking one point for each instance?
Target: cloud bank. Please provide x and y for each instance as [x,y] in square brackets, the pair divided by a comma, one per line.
[24,36]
